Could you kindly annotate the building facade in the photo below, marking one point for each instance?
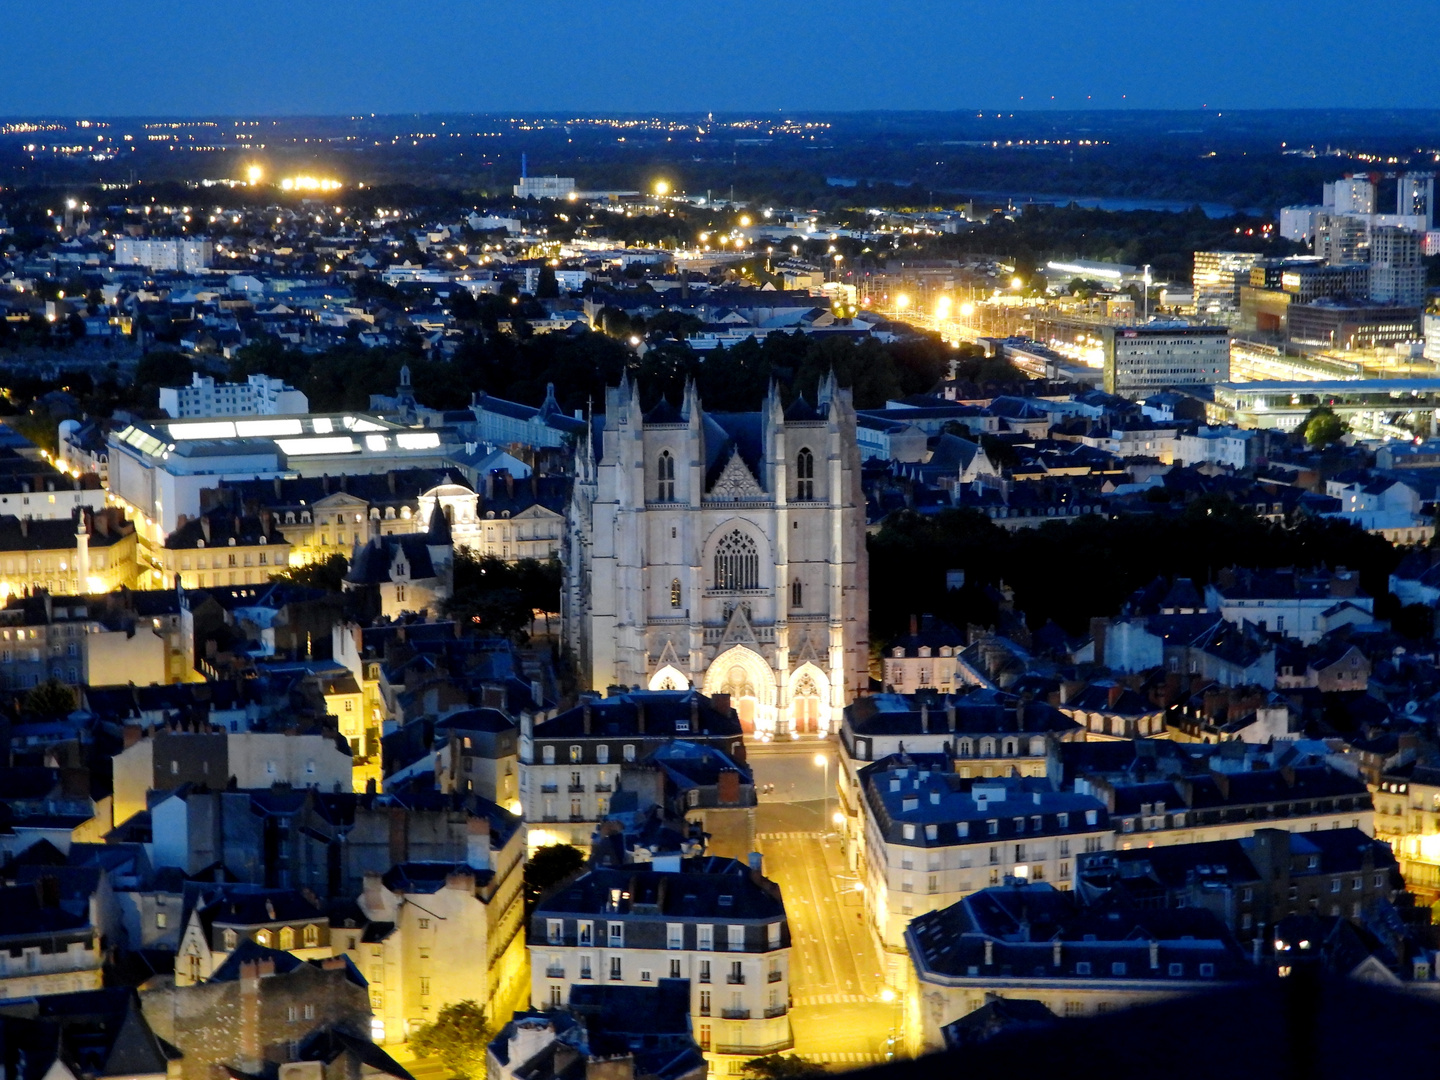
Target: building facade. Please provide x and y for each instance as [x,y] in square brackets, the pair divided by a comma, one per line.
[725,552]
[259,395]
[1142,359]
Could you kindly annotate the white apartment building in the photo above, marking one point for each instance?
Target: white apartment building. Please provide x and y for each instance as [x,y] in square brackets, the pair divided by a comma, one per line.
[713,921]
[188,256]
[439,933]
[933,838]
[45,949]
[545,187]
[259,395]
[1397,273]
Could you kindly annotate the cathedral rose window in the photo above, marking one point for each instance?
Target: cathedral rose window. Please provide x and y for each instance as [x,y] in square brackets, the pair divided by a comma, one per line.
[737,563]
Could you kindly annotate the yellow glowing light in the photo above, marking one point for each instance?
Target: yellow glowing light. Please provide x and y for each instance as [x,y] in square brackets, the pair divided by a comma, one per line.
[902,301]
[662,187]
[821,760]
[745,222]
[942,307]
[1016,283]
[253,174]
[887,995]
[967,310]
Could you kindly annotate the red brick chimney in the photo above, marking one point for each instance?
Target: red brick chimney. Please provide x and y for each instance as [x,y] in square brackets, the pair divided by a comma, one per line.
[728,787]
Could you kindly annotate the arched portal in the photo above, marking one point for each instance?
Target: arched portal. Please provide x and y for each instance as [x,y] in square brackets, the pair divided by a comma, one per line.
[743,674]
[809,696]
[669,677]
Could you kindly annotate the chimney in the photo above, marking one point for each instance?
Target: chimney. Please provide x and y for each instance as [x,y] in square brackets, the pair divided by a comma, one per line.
[131,735]
[250,1014]
[989,953]
[721,702]
[25,526]
[509,485]
[727,786]
[585,716]
[1055,953]
[914,625]
[757,862]
[1113,695]
[477,844]
[1154,955]
[278,493]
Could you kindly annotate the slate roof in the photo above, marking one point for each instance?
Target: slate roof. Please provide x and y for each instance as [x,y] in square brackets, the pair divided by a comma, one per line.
[694,892]
[667,713]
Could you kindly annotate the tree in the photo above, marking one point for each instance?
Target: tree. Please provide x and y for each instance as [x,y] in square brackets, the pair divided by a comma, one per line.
[457,1036]
[1322,427]
[782,1067]
[548,287]
[548,867]
[50,698]
[327,574]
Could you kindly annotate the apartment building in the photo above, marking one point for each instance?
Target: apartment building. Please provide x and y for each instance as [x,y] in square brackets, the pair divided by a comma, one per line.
[932,837]
[569,763]
[714,922]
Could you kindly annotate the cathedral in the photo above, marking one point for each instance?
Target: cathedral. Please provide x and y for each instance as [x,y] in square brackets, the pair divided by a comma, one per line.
[723,551]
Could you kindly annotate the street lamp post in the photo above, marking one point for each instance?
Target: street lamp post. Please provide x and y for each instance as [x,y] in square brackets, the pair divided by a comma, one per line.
[823,760]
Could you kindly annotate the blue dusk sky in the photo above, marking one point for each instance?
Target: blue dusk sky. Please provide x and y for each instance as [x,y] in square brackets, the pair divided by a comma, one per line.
[196,57]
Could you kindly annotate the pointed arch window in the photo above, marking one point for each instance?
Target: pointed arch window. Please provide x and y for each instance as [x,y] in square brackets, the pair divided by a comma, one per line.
[666,491]
[737,563]
[805,474]
[675,592]
[797,593]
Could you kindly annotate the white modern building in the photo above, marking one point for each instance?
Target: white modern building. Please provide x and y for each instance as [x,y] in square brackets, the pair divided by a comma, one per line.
[259,395]
[188,256]
[1397,273]
[545,187]
[1142,359]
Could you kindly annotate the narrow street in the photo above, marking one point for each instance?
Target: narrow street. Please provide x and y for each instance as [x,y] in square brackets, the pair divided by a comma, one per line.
[837,1013]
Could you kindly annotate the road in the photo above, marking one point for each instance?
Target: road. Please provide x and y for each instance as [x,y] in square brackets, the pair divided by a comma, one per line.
[835,982]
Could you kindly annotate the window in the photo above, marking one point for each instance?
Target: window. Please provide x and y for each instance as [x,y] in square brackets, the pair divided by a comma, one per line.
[554,931]
[737,563]
[645,975]
[1117,968]
[585,971]
[675,592]
[615,969]
[628,752]
[309,1012]
[230,938]
[805,474]
[424,987]
[797,593]
[574,755]
[735,938]
[547,755]
[424,924]
[704,1002]
[705,937]
[666,492]
[772,935]
[674,936]
[704,1034]
[555,996]
[1082,968]
[602,754]
[585,932]
[704,971]
[262,938]
[1207,970]
[674,969]
[287,938]
[161,920]
[617,935]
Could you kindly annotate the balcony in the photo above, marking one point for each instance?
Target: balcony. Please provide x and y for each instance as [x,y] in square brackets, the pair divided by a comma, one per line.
[577,817]
[604,787]
[736,978]
[549,789]
[754,1051]
[775,976]
[735,1014]
[554,972]
[575,789]
[772,1011]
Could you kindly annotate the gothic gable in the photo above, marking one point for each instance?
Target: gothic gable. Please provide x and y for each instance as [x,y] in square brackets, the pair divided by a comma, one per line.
[736,481]
[738,630]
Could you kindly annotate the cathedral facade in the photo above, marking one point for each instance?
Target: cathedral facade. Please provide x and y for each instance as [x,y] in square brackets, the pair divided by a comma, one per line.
[723,551]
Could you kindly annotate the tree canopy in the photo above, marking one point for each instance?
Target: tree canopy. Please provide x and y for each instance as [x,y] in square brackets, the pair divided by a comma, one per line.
[457,1036]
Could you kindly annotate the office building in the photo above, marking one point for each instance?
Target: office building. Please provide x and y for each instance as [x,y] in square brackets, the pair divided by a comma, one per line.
[1142,359]
[187,256]
[1341,238]
[1347,325]
[1217,278]
[1397,272]
[259,395]
[1350,195]
[1415,196]
[545,187]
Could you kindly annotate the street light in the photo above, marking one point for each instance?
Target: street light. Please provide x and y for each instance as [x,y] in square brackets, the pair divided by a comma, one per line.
[823,761]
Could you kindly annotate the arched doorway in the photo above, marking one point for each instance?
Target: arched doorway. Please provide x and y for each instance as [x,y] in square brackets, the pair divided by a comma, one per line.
[669,677]
[743,674]
[809,700]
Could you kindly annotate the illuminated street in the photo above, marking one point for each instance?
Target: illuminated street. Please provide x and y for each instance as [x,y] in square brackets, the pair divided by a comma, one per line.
[837,1013]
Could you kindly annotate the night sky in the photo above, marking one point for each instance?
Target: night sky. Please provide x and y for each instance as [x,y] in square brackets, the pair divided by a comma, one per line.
[196,57]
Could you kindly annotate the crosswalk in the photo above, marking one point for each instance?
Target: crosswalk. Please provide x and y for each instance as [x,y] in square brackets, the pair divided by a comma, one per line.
[788,836]
[833,999]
